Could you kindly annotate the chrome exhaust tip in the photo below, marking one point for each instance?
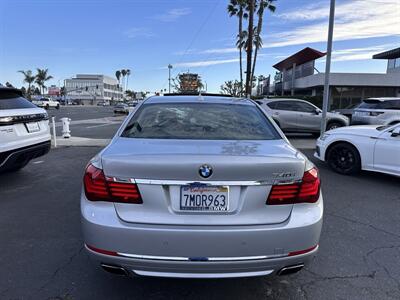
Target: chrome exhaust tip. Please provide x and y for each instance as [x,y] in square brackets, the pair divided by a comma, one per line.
[290,269]
[115,270]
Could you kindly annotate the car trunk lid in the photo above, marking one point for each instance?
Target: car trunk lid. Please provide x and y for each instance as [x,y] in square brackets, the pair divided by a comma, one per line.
[162,167]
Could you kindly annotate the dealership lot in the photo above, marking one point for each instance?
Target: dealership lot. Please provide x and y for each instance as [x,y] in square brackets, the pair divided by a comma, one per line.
[43,256]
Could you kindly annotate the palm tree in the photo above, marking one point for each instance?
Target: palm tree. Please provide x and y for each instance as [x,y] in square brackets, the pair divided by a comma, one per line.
[123,73]
[128,72]
[29,78]
[249,47]
[130,94]
[262,5]
[118,75]
[237,8]
[41,78]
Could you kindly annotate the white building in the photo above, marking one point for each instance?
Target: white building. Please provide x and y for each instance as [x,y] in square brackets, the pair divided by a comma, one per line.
[298,77]
[90,89]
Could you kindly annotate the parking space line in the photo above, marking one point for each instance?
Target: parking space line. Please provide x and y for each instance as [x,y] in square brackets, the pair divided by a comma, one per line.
[100,125]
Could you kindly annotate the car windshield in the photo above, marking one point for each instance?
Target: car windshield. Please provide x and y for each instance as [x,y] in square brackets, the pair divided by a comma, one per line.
[10,100]
[207,121]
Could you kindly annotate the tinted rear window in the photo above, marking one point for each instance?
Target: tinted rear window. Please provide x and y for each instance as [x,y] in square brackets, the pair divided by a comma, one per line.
[202,121]
[373,104]
[10,100]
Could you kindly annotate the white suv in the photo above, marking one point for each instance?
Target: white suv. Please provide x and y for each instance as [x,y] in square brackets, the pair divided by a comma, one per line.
[377,111]
[24,130]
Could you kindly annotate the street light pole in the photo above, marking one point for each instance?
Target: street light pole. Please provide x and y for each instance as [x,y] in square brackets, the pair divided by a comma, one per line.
[169,78]
[328,67]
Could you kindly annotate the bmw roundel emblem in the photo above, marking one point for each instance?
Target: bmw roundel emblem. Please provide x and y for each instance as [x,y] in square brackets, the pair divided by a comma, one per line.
[205,171]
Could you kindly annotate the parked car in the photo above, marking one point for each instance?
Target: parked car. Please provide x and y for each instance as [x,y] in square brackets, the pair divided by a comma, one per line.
[132,103]
[201,187]
[46,103]
[347,111]
[295,115]
[24,130]
[369,147]
[377,111]
[103,103]
[121,109]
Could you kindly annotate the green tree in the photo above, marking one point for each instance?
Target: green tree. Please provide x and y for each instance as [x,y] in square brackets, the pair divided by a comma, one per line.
[249,46]
[237,8]
[118,76]
[123,73]
[29,78]
[130,94]
[262,6]
[128,72]
[232,87]
[41,78]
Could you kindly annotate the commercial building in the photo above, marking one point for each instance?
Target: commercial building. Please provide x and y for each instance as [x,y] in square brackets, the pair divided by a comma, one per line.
[298,76]
[90,89]
[53,91]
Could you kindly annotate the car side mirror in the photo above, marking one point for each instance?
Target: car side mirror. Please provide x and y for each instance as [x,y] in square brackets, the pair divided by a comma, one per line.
[396,132]
[317,111]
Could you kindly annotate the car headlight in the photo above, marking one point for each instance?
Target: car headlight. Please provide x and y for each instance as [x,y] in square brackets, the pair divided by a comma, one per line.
[324,137]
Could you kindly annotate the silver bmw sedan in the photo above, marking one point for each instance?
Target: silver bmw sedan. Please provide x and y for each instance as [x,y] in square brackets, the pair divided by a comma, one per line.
[201,187]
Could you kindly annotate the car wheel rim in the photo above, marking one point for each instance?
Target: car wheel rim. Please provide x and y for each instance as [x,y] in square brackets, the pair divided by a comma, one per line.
[342,159]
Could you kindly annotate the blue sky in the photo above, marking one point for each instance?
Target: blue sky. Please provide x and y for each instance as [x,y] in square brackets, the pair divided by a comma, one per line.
[101,36]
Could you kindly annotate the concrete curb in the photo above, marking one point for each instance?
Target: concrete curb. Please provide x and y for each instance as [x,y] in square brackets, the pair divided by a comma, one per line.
[81,142]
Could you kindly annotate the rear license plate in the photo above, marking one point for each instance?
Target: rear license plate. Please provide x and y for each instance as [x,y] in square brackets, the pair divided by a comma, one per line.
[204,198]
[32,127]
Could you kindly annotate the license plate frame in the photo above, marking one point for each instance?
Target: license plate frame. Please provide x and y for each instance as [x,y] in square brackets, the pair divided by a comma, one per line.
[32,127]
[213,204]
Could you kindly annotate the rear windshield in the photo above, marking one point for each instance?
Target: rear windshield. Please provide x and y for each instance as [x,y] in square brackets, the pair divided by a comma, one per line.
[375,104]
[200,121]
[10,100]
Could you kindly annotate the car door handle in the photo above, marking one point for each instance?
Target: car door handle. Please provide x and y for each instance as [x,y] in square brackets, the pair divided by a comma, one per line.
[276,114]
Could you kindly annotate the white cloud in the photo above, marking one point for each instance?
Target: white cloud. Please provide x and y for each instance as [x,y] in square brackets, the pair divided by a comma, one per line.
[220,51]
[139,32]
[205,63]
[173,14]
[364,53]
[355,19]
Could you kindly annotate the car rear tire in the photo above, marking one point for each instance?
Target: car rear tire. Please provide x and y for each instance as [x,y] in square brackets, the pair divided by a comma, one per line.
[46,107]
[58,107]
[333,125]
[344,159]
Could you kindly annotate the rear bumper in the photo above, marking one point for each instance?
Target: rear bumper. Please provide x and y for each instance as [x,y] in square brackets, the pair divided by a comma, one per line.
[366,120]
[200,251]
[21,156]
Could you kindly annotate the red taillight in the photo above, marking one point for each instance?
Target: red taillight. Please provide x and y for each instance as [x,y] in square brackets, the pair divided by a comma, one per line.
[102,251]
[124,192]
[99,188]
[306,191]
[294,253]
[95,184]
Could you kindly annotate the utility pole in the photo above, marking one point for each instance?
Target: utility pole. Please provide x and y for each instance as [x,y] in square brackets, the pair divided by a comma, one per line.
[328,67]
[169,78]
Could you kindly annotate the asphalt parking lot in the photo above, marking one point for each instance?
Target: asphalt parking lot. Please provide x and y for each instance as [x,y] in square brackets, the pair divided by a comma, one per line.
[88,121]
[43,256]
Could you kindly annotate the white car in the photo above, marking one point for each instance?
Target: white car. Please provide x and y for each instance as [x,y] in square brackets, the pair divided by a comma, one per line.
[348,150]
[24,130]
[46,103]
